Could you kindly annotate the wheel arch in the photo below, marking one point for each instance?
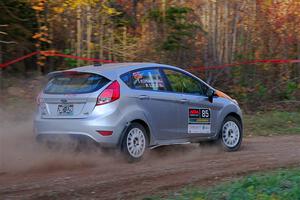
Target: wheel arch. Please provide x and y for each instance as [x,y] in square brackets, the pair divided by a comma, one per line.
[229,111]
[237,116]
[145,125]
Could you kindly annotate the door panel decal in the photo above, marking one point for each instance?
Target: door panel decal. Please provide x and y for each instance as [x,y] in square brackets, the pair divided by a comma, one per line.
[199,120]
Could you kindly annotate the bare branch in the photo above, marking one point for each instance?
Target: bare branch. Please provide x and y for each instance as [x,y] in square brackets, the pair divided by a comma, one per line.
[1,32]
[8,42]
[11,13]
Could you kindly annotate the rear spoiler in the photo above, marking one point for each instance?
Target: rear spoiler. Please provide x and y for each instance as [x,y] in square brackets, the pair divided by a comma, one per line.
[52,74]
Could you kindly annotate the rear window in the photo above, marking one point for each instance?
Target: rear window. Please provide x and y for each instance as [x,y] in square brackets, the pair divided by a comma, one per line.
[75,83]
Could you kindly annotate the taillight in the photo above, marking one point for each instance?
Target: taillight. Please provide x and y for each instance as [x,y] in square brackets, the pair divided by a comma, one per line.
[109,94]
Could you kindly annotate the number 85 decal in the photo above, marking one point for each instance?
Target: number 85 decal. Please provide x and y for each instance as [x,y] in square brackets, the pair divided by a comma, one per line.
[205,113]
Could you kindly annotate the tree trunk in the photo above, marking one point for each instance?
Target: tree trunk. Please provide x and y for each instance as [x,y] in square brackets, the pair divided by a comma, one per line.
[234,35]
[210,44]
[298,68]
[89,31]
[78,42]
[51,60]
[163,10]
[124,43]
[226,33]
[215,26]
[1,76]
[110,44]
[134,13]
[101,37]
[221,19]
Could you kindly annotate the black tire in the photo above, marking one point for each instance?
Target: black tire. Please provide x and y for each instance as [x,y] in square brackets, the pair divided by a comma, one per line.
[127,149]
[228,134]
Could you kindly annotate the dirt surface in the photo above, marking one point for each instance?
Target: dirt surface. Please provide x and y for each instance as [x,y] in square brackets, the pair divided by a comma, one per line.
[29,171]
[98,175]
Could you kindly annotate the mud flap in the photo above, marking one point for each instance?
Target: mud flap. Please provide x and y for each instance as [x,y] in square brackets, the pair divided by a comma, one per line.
[122,135]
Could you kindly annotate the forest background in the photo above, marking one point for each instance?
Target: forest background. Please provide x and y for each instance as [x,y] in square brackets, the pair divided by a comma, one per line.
[189,34]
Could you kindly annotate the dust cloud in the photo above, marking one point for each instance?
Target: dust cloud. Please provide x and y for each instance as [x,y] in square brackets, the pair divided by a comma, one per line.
[19,151]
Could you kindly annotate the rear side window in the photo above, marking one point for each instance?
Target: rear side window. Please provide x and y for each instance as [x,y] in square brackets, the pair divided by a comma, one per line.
[126,78]
[148,79]
[75,83]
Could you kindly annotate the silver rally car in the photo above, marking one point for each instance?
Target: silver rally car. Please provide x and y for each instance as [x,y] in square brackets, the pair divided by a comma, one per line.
[135,106]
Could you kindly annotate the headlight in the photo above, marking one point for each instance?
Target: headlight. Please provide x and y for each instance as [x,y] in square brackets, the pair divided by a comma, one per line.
[222,94]
[235,101]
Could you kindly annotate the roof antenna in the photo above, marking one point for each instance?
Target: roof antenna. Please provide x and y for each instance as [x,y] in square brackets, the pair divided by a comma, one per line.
[97,62]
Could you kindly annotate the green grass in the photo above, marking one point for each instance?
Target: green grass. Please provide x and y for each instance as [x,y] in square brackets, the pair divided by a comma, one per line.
[277,185]
[272,123]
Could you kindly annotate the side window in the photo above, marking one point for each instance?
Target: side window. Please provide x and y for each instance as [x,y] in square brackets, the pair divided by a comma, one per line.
[126,79]
[148,79]
[183,83]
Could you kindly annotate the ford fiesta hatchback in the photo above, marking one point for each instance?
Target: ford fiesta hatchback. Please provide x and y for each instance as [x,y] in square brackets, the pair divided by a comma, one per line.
[135,106]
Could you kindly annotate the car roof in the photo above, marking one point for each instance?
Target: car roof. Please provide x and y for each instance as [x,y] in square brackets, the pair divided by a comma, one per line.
[112,70]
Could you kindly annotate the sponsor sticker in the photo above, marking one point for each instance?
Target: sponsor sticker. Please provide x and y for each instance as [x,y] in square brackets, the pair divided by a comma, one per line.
[137,75]
[199,120]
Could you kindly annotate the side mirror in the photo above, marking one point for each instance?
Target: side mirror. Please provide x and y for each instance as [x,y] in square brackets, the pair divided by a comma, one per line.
[210,94]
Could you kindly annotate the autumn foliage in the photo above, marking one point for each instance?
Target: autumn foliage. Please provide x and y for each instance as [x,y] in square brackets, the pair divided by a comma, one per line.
[182,33]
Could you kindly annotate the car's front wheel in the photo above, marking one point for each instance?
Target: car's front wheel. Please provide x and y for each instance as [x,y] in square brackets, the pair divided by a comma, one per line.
[231,134]
[134,142]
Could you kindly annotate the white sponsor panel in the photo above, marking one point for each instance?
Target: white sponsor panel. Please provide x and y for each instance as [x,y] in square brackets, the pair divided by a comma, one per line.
[199,128]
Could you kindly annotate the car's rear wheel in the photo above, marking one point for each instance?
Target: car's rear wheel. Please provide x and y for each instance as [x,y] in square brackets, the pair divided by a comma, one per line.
[231,134]
[135,142]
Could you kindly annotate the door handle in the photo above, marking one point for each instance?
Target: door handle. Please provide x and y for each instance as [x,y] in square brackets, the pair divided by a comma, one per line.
[144,97]
[183,101]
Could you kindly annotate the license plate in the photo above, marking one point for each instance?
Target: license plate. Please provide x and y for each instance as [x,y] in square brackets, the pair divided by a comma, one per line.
[65,109]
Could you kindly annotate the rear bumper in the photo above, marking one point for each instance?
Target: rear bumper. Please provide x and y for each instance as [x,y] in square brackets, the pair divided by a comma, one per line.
[68,142]
[82,129]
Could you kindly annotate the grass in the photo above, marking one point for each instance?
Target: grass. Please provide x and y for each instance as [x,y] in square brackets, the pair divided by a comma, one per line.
[272,123]
[282,184]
